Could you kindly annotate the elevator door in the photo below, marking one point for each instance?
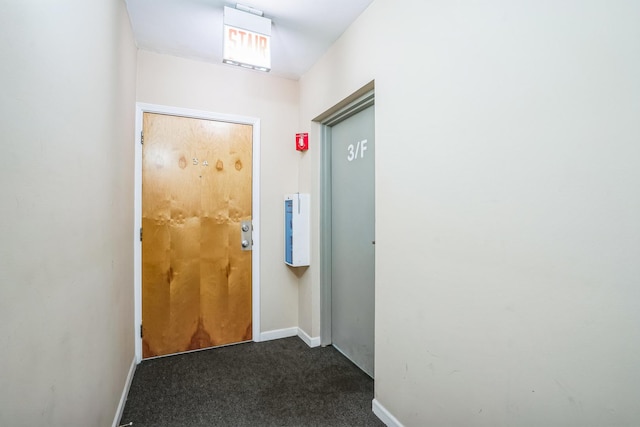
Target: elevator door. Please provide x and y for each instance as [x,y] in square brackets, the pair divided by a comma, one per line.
[352,238]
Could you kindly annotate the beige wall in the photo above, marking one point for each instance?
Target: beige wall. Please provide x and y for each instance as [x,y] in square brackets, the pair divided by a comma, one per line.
[178,82]
[507,206]
[66,203]
[508,132]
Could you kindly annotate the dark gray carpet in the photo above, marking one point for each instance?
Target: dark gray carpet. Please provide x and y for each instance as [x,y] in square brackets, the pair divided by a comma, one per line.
[274,383]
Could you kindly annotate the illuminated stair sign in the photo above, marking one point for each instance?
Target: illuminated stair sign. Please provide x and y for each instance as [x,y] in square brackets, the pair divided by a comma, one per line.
[247,40]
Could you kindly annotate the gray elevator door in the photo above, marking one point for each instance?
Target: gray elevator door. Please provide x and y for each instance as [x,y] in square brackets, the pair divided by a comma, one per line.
[352,238]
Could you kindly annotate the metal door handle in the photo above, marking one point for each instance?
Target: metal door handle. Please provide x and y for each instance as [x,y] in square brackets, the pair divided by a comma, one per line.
[246,239]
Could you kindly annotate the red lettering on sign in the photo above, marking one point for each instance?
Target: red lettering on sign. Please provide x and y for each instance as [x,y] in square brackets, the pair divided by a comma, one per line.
[263,45]
[246,46]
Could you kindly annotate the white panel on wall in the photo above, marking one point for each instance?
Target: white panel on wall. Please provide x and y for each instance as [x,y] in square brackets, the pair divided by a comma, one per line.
[296,230]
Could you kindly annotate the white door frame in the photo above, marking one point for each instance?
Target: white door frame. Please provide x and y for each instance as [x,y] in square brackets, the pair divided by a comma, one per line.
[142,108]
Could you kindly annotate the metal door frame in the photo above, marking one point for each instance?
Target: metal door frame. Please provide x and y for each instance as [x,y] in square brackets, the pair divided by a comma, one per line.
[142,108]
[359,101]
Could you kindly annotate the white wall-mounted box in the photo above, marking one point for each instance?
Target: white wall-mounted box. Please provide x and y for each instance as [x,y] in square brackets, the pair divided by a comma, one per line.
[296,229]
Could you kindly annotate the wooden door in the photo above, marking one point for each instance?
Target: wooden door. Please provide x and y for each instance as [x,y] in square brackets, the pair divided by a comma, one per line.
[196,190]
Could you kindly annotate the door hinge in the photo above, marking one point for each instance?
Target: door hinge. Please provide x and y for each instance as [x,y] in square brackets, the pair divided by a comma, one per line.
[141,234]
[141,332]
[141,137]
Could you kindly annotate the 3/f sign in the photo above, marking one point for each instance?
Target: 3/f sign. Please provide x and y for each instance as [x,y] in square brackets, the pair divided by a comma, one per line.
[356,151]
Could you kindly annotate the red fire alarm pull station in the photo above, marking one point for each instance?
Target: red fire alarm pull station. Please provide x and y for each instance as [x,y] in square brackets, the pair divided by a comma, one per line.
[302,141]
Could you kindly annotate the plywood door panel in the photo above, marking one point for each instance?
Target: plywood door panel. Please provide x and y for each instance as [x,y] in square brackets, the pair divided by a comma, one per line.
[225,267]
[196,284]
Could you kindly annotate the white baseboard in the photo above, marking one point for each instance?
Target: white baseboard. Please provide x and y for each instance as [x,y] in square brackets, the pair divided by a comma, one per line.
[289,332]
[278,333]
[125,393]
[384,415]
[311,341]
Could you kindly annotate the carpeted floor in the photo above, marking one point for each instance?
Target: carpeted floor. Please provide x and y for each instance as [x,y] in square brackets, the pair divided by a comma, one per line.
[274,383]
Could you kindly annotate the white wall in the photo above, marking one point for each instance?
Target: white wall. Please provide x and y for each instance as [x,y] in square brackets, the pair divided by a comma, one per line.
[507,207]
[66,203]
[178,82]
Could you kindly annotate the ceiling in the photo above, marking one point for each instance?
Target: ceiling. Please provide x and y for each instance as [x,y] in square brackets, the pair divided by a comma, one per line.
[302,30]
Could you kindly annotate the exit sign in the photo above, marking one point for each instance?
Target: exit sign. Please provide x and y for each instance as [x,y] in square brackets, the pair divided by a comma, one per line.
[247,48]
